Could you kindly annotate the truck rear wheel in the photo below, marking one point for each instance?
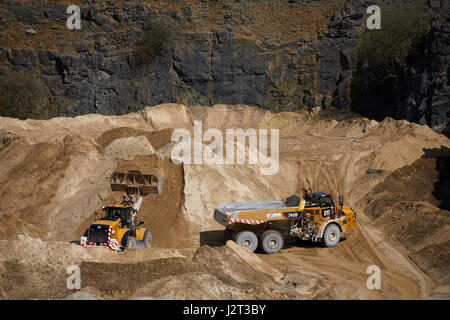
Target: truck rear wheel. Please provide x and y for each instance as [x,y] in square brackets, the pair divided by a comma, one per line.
[271,241]
[247,239]
[331,235]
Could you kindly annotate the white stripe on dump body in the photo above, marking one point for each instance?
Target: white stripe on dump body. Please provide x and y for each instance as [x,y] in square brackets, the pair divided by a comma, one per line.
[246,221]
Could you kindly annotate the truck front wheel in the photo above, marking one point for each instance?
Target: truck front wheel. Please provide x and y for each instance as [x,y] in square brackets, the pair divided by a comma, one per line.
[272,241]
[247,239]
[331,235]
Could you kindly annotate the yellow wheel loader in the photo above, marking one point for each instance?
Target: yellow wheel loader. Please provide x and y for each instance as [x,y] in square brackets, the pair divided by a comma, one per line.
[117,228]
[268,223]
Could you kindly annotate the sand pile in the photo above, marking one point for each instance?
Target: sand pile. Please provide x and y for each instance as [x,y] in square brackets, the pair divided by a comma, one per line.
[32,268]
[212,273]
[157,139]
[128,148]
[405,206]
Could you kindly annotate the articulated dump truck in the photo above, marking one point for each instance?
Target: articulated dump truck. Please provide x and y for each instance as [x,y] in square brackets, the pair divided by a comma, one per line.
[117,227]
[314,216]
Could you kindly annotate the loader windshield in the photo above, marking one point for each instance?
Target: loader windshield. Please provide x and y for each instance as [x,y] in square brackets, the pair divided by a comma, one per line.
[112,213]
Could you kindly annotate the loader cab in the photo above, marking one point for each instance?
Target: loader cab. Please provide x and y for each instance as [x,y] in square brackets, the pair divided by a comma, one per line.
[118,212]
[111,213]
[125,217]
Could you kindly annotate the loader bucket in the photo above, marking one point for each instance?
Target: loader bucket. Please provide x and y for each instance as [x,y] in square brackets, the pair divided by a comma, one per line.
[134,182]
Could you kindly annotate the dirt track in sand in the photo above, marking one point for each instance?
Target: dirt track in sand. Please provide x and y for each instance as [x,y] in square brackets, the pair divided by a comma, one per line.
[55,174]
[345,268]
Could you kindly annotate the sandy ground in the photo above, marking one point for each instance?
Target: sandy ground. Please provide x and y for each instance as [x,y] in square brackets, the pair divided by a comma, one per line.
[54,176]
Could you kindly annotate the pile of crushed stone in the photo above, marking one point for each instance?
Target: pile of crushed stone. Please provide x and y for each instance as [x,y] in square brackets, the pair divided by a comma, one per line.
[128,148]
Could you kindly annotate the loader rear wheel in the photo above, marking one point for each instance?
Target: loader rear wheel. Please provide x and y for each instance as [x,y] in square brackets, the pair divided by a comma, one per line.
[131,242]
[331,235]
[147,239]
[272,241]
[247,239]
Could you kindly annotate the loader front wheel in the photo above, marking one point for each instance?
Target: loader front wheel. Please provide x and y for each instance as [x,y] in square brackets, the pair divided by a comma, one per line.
[247,239]
[131,242]
[272,241]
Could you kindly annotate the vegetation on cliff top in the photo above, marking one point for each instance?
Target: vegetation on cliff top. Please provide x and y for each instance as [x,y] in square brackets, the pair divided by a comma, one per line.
[155,40]
[384,56]
[23,95]
[386,50]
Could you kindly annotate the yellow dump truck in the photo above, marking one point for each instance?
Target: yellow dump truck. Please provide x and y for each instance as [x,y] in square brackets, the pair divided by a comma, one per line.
[313,216]
[117,228]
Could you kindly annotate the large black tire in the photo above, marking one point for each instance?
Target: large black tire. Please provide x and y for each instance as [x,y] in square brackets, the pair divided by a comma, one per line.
[247,239]
[147,239]
[271,241]
[331,235]
[131,242]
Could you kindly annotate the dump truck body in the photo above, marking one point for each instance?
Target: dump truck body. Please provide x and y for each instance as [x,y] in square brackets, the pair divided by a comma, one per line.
[294,217]
[253,211]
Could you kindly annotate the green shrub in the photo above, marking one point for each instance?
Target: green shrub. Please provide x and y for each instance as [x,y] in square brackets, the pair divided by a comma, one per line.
[154,41]
[23,95]
[386,50]
[383,59]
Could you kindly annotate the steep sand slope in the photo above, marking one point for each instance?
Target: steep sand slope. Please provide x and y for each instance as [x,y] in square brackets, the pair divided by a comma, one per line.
[405,207]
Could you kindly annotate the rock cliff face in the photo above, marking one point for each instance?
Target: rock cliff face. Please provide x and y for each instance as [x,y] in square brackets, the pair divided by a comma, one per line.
[422,94]
[426,90]
[280,55]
